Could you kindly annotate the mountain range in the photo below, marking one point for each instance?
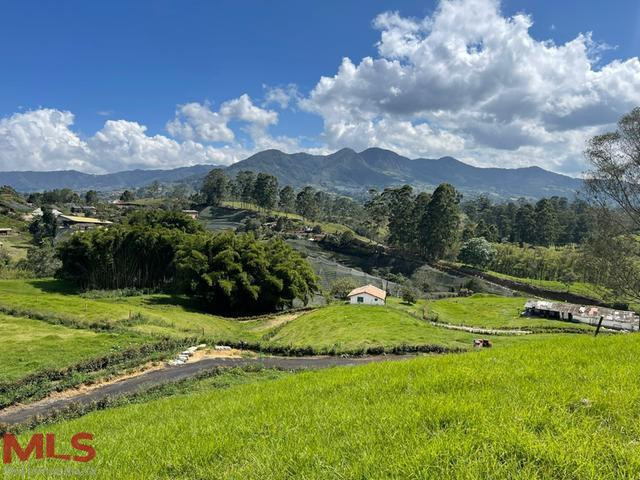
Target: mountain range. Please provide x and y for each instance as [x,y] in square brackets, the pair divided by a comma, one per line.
[29,181]
[345,171]
[349,172]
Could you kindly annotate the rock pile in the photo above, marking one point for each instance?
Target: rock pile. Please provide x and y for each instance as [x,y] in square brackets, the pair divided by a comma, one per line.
[184,356]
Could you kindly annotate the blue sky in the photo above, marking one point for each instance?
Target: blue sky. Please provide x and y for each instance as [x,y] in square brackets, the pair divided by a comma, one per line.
[138,61]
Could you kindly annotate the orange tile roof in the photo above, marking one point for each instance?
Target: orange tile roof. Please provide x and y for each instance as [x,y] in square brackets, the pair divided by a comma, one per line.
[371,290]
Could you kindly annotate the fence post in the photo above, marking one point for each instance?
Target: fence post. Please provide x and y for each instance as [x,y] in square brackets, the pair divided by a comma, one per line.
[599,325]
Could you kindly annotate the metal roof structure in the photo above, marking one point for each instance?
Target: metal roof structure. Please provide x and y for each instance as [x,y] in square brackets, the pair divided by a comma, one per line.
[75,219]
[617,319]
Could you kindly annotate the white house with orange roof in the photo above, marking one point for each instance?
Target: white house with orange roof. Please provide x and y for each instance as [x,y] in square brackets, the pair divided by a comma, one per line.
[367,295]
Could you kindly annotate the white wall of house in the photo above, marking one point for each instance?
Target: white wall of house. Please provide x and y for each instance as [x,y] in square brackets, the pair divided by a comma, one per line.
[365,299]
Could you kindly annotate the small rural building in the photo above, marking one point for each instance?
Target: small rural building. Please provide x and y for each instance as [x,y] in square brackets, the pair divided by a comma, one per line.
[589,314]
[191,213]
[5,231]
[72,222]
[83,210]
[367,295]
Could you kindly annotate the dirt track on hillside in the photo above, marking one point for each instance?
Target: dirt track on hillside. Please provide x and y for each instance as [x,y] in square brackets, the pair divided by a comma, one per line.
[22,413]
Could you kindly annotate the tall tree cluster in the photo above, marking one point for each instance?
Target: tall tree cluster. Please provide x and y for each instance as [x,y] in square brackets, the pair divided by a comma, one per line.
[262,190]
[612,251]
[228,272]
[424,224]
[549,221]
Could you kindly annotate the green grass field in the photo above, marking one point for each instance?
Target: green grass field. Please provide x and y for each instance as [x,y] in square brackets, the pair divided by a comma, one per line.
[30,346]
[562,407]
[492,311]
[349,327]
[162,315]
[335,328]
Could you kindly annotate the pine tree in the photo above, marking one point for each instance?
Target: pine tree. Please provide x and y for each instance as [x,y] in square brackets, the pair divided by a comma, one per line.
[439,224]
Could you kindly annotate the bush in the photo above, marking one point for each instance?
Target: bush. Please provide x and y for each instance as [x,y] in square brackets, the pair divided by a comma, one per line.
[41,260]
[409,295]
[237,273]
[341,287]
[477,252]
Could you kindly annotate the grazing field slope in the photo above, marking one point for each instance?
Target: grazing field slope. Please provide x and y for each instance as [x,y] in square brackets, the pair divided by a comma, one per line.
[565,407]
[30,346]
[491,311]
[350,327]
[157,314]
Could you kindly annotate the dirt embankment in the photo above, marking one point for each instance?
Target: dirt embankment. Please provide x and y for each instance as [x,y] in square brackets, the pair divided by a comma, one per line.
[525,287]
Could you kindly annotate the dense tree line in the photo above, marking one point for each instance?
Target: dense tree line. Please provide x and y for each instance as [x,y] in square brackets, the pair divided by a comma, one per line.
[158,249]
[425,224]
[236,272]
[54,197]
[549,221]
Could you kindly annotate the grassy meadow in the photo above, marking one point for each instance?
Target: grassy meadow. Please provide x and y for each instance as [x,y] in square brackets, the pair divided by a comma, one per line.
[157,314]
[350,327]
[579,288]
[30,346]
[564,407]
[336,328]
[492,311]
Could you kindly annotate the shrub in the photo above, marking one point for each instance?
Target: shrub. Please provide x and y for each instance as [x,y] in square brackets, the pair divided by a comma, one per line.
[41,260]
[409,294]
[477,252]
[341,287]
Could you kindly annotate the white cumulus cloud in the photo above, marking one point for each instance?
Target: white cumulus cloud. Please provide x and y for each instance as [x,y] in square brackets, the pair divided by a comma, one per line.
[477,79]
[41,140]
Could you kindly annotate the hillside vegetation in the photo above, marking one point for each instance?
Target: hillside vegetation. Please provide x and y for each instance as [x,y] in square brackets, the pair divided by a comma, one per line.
[562,408]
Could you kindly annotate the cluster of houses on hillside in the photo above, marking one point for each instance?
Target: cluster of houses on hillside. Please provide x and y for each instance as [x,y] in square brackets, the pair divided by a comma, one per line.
[81,218]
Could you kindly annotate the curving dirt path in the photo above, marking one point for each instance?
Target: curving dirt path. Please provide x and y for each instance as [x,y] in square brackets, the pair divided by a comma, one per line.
[22,413]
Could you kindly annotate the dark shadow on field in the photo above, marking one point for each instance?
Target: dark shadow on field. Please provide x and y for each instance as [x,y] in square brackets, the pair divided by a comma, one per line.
[188,304]
[55,286]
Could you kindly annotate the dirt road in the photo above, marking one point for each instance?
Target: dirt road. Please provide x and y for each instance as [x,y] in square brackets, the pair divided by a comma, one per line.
[22,413]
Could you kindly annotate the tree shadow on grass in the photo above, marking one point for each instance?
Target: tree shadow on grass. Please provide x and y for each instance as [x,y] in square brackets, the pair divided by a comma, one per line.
[50,285]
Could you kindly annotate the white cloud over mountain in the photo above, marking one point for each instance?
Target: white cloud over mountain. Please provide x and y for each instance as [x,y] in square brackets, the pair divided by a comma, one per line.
[465,81]
[44,140]
[481,82]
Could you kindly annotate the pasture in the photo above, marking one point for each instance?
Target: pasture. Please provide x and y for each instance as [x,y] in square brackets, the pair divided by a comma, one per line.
[351,327]
[155,314]
[31,346]
[563,407]
[492,311]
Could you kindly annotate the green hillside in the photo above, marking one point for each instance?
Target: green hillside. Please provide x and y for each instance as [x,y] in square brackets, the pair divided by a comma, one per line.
[31,346]
[565,407]
[349,327]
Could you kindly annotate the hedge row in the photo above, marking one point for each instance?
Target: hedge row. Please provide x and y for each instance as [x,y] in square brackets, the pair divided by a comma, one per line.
[302,351]
[39,384]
